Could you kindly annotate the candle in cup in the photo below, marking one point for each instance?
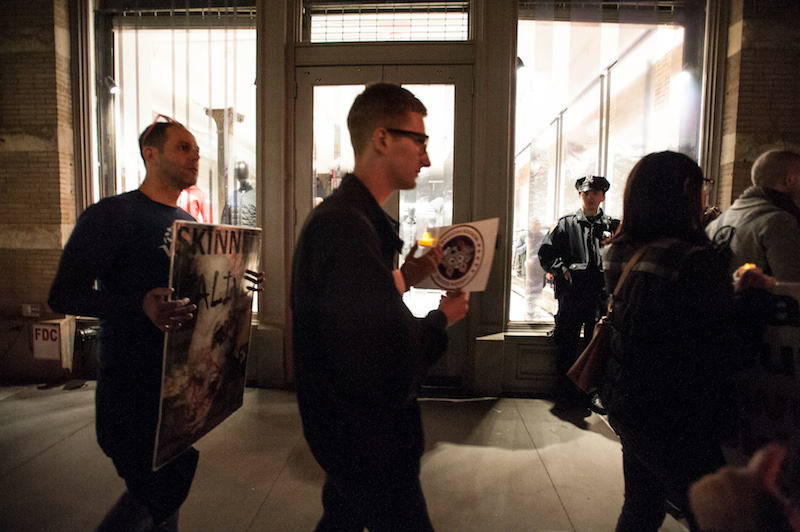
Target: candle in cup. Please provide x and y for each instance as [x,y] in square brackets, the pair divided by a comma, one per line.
[426,240]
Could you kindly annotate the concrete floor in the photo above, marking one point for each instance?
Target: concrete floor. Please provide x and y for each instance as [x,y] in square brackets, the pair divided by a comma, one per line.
[491,465]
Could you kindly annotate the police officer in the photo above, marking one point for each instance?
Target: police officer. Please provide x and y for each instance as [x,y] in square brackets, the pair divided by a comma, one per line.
[571,253]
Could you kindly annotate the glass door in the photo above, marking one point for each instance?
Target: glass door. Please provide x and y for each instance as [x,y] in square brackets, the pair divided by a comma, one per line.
[323,154]
[442,195]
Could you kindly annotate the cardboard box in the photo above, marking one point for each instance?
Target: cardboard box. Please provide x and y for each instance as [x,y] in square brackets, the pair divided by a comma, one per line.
[54,340]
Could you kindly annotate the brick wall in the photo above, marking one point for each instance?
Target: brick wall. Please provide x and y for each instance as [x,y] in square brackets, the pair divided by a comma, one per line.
[37,200]
[762,96]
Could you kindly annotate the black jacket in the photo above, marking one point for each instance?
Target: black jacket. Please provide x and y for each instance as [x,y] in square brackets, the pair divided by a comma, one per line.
[575,244]
[360,355]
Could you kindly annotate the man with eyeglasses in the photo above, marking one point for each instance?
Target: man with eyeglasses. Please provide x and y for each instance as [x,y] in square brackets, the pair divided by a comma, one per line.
[360,355]
[122,244]
[571,253]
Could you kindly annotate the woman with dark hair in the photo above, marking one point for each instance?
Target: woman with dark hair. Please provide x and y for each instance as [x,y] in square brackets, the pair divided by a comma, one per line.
[667,388]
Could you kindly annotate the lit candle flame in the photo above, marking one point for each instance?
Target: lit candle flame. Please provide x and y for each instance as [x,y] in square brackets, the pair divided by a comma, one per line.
[427,240]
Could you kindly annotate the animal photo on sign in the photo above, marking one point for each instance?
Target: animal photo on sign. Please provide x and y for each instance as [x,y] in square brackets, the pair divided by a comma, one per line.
[458,255]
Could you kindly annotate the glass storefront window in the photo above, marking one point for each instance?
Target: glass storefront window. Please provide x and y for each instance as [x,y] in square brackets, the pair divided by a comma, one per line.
[592,98]
[581,141]
[205,79]
[647,93]
[430,204]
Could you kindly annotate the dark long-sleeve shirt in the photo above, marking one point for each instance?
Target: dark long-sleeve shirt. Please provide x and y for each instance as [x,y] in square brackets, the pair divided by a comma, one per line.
[123,244]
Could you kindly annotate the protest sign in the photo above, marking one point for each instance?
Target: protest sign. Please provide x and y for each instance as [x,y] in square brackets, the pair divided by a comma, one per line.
[767,392]
[468,250]
[204,361]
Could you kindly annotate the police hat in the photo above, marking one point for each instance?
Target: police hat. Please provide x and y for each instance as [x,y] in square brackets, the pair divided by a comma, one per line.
[592,182]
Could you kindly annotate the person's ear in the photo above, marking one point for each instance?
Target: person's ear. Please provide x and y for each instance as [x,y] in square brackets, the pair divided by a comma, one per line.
[379,140]
[148,153]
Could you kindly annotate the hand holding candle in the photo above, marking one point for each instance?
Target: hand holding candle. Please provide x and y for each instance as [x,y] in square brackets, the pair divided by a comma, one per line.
[415,269]
[751,276]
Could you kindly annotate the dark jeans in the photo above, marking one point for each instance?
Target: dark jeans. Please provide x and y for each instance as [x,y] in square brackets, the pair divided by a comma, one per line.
[351,505]
[658,469]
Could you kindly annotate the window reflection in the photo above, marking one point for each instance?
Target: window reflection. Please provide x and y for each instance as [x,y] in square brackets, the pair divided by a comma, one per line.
[430,204]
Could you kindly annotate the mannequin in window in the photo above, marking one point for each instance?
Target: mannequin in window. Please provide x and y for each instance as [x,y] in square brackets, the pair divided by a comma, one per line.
[194,201]
[241,206]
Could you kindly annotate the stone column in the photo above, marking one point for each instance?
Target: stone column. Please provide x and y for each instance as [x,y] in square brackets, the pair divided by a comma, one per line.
[762,93]
[37,180]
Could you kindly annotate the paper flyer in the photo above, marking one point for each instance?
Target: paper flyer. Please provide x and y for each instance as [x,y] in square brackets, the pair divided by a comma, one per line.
[468,250]
[204,362]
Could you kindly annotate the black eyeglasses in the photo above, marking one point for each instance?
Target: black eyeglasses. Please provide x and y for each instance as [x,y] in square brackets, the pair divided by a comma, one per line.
[168,120]
[421,139]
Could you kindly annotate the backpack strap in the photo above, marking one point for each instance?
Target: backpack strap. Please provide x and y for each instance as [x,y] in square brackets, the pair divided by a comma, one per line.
[628,267]
[724,234]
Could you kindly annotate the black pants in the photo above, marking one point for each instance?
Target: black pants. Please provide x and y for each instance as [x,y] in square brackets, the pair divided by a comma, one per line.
[661,468]
[126,425]
[577,314]
[162,491]
[351,505]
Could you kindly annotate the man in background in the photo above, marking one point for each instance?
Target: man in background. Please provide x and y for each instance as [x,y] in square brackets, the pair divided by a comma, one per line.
[762,226]
[360,355]
[571,253]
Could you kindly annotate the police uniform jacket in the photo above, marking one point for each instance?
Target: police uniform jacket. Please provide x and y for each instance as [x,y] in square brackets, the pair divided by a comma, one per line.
[574,244]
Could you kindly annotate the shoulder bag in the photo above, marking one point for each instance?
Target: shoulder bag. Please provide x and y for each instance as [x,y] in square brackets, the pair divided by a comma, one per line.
[591,364]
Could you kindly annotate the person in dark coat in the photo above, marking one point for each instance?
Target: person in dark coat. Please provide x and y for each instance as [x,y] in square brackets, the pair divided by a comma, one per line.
[675,343]
[360,355]
[571,253]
